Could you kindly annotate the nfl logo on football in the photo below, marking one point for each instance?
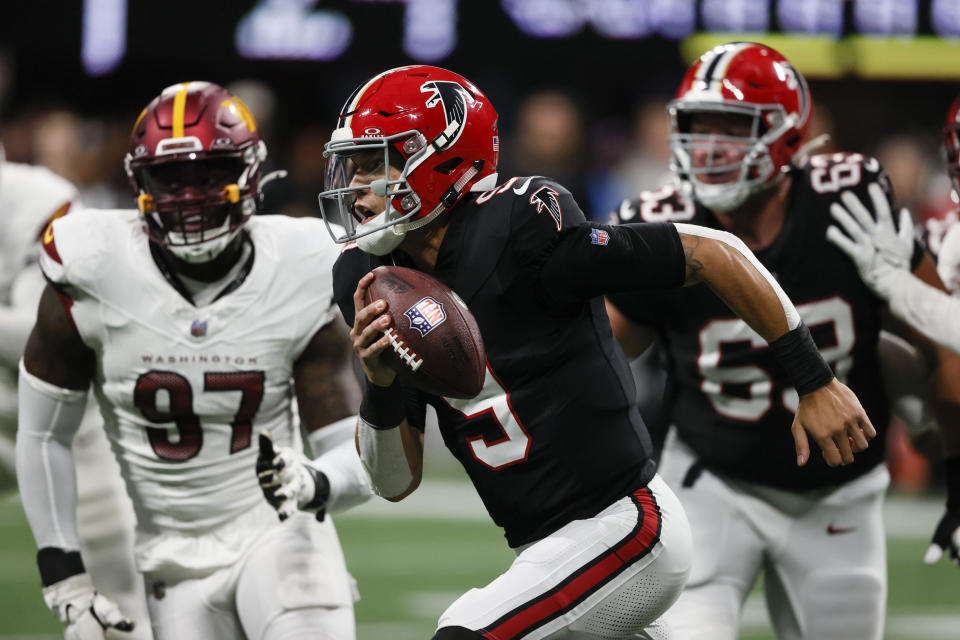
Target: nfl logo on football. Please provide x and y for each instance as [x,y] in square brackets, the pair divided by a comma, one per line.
[425,315]
[198,328]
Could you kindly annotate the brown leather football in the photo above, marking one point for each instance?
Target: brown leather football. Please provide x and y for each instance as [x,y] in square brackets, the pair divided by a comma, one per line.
[436,343]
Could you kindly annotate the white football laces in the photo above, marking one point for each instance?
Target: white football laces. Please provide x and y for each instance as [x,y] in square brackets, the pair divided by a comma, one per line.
[403,351]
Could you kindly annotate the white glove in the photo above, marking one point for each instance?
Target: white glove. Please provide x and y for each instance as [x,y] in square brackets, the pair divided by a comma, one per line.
[85,613]
[880,252]
[288,481]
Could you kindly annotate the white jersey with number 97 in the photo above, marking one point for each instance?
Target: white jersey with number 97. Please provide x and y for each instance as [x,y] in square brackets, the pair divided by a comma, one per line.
[183,389]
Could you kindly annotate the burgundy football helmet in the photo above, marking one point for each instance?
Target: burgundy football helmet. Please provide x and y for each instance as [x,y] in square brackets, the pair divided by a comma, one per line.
[951,143]
[758,84]
[435,127]
[195,166]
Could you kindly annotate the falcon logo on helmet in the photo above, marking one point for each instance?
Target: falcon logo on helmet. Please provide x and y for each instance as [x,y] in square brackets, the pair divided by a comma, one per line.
[452,98]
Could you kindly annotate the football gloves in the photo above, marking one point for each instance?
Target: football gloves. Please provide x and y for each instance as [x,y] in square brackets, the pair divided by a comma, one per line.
[85,614]
[289,482]
[947,536]
[880,251]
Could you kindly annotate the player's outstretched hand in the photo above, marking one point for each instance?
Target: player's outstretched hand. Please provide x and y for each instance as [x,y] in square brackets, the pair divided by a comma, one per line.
[85,614]
[369,343]
[288,482]
[947,536]
[833,417]
[880,251]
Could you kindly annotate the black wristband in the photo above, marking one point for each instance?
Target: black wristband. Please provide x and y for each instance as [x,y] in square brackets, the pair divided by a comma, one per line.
[56,564]
[321,492]
[799,357]
[382,407]
[952,468]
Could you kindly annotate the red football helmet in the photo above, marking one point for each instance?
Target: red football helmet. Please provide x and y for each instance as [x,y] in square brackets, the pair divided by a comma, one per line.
[951,143]
[760,86]
[195,166]
[435,128]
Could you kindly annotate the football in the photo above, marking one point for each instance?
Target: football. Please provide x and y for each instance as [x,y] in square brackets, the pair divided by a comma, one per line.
[436,343]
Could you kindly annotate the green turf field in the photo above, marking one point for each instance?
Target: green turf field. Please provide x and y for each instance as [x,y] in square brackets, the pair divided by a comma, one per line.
[412,559]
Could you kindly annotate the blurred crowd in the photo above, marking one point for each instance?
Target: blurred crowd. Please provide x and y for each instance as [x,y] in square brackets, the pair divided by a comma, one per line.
[602,162]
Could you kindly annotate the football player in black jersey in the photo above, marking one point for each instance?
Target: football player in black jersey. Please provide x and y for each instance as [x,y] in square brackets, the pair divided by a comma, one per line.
[738,125]
[553,443]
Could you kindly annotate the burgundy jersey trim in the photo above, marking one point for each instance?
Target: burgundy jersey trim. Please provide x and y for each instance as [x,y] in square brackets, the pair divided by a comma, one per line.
[537,612]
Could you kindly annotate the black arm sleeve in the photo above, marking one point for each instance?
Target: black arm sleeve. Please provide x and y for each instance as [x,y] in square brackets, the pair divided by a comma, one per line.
[593,259]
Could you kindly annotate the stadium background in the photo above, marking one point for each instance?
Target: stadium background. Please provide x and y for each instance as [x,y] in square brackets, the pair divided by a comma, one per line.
[579,85]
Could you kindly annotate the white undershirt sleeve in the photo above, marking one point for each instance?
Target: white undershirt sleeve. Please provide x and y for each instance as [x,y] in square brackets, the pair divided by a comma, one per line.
[793,317]
[930,311]
[48,418]
[336,456]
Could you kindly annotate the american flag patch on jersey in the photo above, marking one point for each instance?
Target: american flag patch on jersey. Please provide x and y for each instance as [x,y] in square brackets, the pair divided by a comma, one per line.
[496,143]
[426,315]
[198,328]
[599,236]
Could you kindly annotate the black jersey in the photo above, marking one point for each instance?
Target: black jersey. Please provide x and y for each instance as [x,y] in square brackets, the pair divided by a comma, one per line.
[555,434]
[728,396]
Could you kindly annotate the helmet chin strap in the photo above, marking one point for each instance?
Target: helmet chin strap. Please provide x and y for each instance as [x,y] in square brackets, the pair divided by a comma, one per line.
[720,197]
[382,241]
[201,251]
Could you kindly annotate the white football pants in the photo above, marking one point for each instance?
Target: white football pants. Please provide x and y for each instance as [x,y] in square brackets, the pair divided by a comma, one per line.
[822,554]
[610,576]
[290,583]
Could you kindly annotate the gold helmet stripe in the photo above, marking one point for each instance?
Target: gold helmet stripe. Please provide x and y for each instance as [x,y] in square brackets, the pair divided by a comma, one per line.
[179,106]
[137,123]
[236,105]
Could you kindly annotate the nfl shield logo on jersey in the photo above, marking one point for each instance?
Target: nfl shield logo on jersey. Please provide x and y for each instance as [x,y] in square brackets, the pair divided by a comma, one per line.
[198,328]
[426,315]
[599,237]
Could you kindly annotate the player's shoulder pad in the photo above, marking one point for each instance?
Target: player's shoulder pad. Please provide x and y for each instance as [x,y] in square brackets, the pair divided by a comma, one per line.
[535,201]
[830,174]
[293,239]
[38,182]
[666,204]
[301,254]
[79,247]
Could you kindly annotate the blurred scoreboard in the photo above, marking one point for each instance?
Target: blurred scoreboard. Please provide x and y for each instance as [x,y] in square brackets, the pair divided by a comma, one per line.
[916,34]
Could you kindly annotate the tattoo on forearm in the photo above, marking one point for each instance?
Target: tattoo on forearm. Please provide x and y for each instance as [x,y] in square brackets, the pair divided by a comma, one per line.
[690,244]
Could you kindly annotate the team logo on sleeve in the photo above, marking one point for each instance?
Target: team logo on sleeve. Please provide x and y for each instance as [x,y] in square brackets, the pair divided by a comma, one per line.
[426,315]
[49,245]
[547,198]
[452,98]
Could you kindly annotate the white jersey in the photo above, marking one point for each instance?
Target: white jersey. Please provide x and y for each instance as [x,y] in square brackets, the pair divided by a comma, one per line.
[184,390]
[29,198]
